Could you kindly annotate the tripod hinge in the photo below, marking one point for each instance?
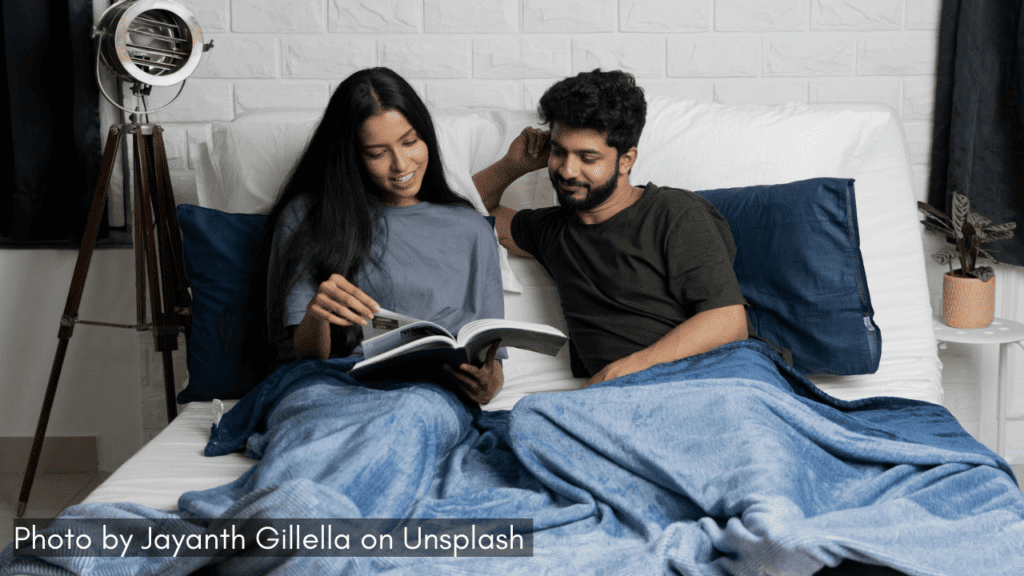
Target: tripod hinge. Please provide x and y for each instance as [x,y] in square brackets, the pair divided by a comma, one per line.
[67,326]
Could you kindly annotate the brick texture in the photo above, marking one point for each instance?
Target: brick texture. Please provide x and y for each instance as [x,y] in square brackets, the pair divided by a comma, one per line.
[375,16]
[856,15]
[462,52]
[281,16]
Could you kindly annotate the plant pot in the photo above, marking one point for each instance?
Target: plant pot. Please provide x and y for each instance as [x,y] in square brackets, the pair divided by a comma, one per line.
[968,303]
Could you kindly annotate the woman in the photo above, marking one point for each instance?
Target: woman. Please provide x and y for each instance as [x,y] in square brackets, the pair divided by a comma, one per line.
[367,220]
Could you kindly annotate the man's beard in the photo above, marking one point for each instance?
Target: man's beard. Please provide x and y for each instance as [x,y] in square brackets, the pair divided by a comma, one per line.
[594,197]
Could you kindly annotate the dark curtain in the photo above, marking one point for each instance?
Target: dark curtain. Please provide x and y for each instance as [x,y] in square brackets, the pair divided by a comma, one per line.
[51,124]
[978,138]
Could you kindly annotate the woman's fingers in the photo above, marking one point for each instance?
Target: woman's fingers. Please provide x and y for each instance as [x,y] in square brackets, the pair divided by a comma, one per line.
[481,383]
[340,302]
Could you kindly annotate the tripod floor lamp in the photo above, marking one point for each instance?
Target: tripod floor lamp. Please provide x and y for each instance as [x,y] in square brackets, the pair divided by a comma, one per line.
[147,43]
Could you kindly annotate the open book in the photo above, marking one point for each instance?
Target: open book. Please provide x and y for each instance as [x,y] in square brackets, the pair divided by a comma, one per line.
[390,338]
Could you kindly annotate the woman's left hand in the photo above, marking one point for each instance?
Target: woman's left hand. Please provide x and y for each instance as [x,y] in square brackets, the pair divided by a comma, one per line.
[480,383]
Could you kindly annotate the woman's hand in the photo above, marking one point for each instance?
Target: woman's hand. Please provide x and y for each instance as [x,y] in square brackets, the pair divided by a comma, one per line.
[337,301]
[529,151]
[481,383]
[340,302]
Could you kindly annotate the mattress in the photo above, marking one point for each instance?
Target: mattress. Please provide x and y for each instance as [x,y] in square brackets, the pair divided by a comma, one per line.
[173,463]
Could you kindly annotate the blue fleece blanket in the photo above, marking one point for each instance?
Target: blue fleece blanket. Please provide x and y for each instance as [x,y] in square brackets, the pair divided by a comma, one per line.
[725,463]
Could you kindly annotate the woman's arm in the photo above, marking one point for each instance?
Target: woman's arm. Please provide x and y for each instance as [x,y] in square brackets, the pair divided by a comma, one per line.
[337,301]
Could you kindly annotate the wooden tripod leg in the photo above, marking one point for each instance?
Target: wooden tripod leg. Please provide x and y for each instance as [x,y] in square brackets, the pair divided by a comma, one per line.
[67,322]
[172,257]
[161,272]
[177,300]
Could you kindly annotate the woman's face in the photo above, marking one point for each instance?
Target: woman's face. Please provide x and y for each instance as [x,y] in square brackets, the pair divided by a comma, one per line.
[395,156]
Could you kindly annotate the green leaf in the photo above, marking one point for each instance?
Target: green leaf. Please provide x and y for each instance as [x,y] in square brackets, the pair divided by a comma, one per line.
[946,255]
[961,208]
[930,210]
[987,255]
[1002,228]
[977,220]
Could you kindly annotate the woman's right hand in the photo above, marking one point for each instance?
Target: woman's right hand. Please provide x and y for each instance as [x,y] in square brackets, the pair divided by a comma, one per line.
[340,302]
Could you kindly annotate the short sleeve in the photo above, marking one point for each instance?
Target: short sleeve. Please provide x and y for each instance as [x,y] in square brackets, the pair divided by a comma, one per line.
[700,252]
[524,230]
[302,289]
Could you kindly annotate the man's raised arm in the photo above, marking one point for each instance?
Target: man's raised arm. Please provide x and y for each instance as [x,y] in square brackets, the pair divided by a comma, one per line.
[528,152]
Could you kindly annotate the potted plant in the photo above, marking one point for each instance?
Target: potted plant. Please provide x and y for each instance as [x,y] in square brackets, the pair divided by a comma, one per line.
[968,293]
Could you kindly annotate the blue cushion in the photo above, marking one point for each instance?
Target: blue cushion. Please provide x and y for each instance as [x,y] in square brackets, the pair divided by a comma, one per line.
[222,260]
[799,265]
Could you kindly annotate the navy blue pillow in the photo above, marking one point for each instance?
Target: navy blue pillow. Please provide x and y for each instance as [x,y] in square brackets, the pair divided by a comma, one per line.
[799,265]
[225,355]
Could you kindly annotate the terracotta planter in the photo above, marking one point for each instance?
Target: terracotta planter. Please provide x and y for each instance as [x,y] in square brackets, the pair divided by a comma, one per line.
[968,302]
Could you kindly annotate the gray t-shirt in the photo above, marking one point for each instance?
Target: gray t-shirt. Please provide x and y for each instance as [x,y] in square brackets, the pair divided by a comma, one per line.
[437,263]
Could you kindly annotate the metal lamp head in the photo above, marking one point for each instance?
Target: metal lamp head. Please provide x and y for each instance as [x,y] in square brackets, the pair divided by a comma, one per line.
[153,42]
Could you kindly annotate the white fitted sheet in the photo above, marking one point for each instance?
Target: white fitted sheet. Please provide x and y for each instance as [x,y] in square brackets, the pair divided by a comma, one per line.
[172,463]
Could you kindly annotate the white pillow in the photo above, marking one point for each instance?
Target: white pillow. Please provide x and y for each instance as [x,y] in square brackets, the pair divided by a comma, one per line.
[700,146]
[242,165]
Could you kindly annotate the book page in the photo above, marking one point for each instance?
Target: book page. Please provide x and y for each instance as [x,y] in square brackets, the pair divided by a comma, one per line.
[385,321]
[388,330]
[478,335]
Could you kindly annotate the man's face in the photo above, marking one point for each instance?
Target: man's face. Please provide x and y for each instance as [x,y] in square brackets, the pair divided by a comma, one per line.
[583,168]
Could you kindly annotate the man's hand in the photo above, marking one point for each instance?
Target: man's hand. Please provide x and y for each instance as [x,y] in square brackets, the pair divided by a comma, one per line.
[529,151]
[698,334]
[620,367]
[481,383]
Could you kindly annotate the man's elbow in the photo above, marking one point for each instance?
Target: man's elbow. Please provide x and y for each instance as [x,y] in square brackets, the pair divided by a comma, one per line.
[734,324]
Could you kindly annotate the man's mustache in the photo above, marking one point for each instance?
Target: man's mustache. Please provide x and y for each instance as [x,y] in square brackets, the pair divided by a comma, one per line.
[562,181]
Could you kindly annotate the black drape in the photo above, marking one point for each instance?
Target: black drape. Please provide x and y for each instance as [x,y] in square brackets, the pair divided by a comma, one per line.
[978,137]
[51,124]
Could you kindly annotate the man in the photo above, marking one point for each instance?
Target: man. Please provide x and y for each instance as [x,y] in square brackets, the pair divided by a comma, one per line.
[644,274]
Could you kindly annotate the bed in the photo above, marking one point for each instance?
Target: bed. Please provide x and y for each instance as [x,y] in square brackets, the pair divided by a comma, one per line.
[924,497]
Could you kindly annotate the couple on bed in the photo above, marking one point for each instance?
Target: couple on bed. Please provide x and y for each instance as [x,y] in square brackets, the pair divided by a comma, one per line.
[367,220]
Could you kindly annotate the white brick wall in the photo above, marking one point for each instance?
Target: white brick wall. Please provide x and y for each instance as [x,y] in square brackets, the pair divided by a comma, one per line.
[482,53]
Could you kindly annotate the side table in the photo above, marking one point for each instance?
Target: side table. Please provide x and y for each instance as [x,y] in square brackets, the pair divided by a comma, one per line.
[1002,332]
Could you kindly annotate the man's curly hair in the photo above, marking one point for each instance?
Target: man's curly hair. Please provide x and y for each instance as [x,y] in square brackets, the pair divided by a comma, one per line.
[609,102]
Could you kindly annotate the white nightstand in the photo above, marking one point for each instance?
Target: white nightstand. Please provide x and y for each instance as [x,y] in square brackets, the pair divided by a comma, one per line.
[1002,332]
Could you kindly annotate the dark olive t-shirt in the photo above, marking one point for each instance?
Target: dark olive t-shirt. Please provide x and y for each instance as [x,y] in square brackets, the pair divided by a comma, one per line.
[626,282]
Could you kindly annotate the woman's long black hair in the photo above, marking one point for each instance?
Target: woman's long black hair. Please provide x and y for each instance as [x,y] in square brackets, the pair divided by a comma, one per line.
[343,217]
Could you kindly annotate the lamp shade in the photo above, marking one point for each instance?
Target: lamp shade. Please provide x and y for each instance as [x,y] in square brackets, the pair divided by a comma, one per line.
[154,42]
